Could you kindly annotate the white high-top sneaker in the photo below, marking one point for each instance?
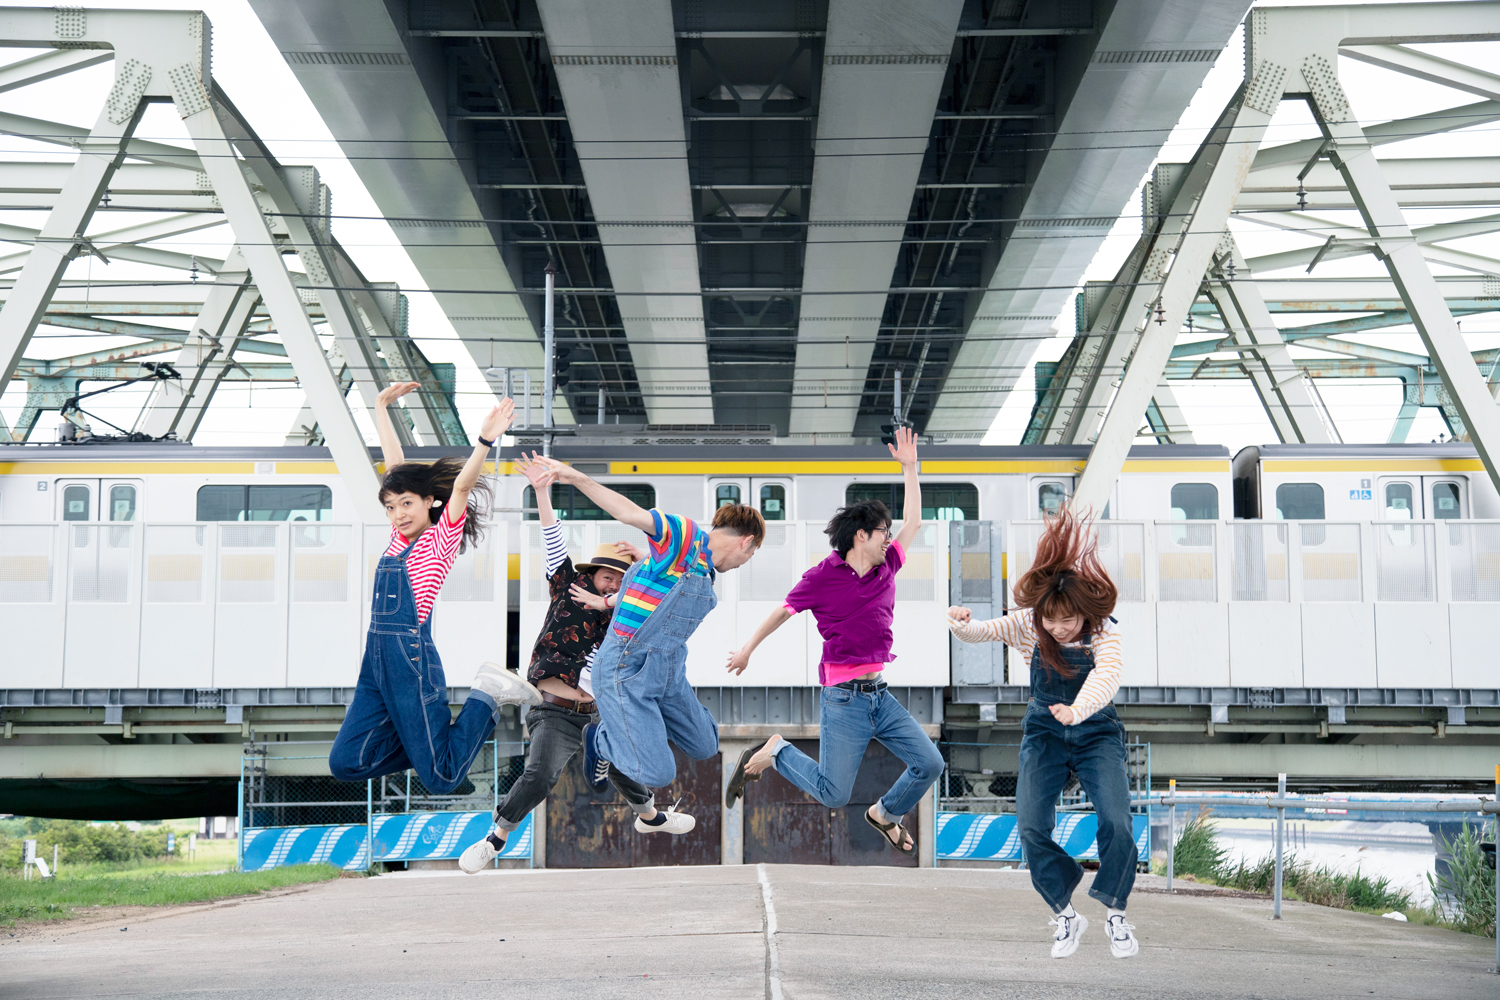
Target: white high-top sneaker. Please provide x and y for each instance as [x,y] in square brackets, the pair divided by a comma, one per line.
[505,686]
[1122,943]
[1069,933]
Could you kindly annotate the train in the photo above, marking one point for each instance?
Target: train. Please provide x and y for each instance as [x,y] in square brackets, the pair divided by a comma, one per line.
[172,482]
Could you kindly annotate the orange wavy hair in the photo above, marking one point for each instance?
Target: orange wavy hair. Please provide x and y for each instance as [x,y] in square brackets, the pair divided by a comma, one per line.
[1066,578]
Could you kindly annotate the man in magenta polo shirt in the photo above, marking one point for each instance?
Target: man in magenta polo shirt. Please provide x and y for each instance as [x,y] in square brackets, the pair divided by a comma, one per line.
[852,594]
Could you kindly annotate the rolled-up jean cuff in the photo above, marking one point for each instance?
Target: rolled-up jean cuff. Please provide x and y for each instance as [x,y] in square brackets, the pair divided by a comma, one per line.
[1113,902]
[487,700]
[642,808]
[507,825]
[884,816]
[777,745]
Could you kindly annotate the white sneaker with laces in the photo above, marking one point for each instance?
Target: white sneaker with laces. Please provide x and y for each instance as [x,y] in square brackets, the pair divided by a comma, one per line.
[677,823]
[1069,933]
[1122,943]
[505,686]
[478,856]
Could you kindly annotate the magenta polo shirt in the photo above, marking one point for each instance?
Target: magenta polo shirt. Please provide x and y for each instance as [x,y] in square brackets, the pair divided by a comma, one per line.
[853,612]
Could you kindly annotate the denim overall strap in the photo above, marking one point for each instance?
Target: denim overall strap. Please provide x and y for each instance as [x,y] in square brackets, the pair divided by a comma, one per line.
[678,615]
[393,607]
[1049,687]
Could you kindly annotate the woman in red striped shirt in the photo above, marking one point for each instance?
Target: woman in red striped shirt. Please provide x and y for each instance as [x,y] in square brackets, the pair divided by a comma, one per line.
[399,718]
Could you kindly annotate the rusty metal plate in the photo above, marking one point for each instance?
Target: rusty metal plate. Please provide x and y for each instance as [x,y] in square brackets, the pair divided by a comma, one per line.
[784,825]
[585,830]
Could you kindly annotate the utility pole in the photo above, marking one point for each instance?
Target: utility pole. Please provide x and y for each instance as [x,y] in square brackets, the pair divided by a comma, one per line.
[548,338]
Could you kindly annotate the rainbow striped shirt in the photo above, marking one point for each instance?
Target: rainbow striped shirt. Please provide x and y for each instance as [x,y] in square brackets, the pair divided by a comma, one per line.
[678,547]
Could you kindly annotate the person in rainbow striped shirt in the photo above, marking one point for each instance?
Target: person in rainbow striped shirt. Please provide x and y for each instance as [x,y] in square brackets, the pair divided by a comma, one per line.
[640,670]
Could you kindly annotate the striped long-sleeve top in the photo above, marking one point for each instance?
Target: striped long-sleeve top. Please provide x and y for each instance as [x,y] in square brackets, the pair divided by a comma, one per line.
[431,558]
[1018,630]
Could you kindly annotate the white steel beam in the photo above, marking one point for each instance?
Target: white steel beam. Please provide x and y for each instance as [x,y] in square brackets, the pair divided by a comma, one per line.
[177,406]
[59,134]
[1210,188]
[125,243]
[617,66]
[1396,130]
[24,72]
[258,244]
[1460,181]
[883,68]
[1426,67]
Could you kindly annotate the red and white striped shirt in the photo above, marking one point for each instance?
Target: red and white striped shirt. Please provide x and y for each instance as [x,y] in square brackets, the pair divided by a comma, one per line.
[431,559]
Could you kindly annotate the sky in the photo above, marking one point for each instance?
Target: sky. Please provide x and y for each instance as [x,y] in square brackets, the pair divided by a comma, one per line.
[253,74]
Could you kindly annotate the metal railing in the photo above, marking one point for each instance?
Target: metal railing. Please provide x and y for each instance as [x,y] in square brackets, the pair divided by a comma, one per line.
[1281,803]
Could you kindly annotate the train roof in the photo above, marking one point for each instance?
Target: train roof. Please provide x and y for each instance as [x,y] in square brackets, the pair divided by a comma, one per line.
[568,449]
[1448,449]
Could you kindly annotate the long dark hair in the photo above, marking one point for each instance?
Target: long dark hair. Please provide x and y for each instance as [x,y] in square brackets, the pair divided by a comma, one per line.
[436,481]
[1066,578]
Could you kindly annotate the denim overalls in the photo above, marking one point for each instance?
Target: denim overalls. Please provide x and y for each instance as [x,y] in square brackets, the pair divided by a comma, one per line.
[399,718]
[1094,749]
[641,687]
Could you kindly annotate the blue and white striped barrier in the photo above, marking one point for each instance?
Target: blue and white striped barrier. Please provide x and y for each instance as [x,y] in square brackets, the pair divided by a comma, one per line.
[404,837]
[273,847]
[424,836]
[990,837]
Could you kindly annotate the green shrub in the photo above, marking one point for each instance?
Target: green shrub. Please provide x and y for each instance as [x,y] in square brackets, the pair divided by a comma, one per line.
[82,843]
[1469,886]
[1197,852]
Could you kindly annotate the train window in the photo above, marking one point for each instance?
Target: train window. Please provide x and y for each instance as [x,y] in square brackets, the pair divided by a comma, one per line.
[76,503]
[940,501]
[1398,502]
[1195,502]
[122,503]
[572,505]
[772,502]
[265,503]
[1050,498]
[726,494]
[1299,502]
[1445,505]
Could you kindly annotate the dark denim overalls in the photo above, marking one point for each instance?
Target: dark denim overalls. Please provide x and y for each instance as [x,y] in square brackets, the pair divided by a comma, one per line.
[399,718]
[1094,749]
[641,687]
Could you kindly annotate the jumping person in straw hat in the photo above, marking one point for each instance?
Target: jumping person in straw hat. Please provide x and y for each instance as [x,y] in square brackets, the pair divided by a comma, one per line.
[582,599]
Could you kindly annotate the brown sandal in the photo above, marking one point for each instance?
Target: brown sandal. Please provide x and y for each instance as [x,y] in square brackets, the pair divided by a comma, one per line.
[737,781]
[902,836]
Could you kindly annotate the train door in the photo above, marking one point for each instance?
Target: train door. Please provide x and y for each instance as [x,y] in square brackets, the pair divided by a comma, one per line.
[1445,497]
[1440,498]
[771,496]
[98,499]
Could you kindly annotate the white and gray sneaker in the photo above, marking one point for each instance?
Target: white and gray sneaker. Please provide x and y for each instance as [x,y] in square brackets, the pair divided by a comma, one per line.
[678,823]
[505,686]
[1122,943]
[1069,933]
[478,856]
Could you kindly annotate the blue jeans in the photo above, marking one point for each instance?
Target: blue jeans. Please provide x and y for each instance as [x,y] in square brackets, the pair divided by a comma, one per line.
[644,697]
[399,718]
[848,721]
[1094,750]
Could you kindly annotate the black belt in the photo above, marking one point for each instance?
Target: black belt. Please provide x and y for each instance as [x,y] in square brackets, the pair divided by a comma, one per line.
[867,687]
[586,707]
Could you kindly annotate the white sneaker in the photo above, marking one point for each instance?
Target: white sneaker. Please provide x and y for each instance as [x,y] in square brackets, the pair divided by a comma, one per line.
[505,686]
[477,857]
[1122,943]
[1069,933]
[677,823]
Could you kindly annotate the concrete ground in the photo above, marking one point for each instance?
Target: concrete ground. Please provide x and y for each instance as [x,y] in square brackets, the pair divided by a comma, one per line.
[702,934]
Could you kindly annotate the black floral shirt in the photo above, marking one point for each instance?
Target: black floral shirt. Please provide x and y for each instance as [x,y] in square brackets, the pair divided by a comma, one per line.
[571,632]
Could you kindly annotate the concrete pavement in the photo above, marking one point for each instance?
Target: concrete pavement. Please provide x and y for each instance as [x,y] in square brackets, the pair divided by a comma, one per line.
[701,934]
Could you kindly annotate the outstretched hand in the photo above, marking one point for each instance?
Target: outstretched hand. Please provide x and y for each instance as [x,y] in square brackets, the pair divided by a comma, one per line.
[587,598]
[560,472]
[537,474]
[497,421]
[960,615]
[1063,714]
[395,391]
[630,549]
[905,448]
[738,661]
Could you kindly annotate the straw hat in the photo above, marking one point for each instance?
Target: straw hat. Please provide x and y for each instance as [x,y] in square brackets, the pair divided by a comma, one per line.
[607,556]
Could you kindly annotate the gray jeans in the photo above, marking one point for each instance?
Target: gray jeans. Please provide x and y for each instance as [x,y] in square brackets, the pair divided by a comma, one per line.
[556,738]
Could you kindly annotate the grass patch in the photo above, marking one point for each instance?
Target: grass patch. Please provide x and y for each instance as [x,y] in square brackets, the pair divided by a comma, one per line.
[66,895]
[1197,853]
[1468,886]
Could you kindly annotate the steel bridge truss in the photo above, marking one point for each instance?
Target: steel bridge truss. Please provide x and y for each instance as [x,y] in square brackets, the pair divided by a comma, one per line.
[228,176]
[1186,273]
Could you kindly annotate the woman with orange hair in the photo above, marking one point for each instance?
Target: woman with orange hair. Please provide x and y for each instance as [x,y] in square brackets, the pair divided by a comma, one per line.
[1063,626]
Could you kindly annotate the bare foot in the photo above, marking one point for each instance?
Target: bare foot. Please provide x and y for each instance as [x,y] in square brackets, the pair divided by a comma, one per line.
[763,758]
